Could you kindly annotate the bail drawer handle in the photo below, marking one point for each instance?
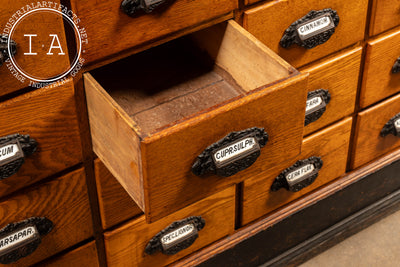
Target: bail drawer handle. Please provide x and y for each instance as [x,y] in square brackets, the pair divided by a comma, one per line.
[4,52]
[396,66]
[134,8]
[18,240]
[177,236]
[316,105]
[233,153]
[312,30]
[300,175]
[13,150]
[392,126]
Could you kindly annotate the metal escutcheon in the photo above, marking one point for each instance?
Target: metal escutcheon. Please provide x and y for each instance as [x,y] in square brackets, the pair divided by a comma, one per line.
[312,30]
[392,126]
[176,237]
[233,153]
[4,52]
[134,8]
[316,105]
[300,175]
[18,240]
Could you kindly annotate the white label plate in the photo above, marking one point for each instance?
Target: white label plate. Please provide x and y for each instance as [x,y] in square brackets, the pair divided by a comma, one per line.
[299,174]
[313,103]
[8,151]
[397,125]
[18,238]
[178,235]
[314,27]
[236,149]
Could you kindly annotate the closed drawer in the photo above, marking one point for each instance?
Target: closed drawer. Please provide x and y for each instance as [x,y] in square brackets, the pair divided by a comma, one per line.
[40,66]
[116,31]
[330,145]
[384,15]
[85,255]
[148,124]
[115,204]
[63,201]
[338,78]
[269,22]
[372,138]
[129,244]
[48,116]
[380,79]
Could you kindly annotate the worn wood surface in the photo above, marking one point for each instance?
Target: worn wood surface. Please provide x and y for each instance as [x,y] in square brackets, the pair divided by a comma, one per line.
[384,15]
[125,246]
[331,144]
[378,80]
[85,255]
[115,204]
[41,65]
[268,22]
[339,75]
[107,25]
[368,144]
[49,116]
[64,201]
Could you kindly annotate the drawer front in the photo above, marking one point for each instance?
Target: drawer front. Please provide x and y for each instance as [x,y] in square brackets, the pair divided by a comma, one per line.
[379,81]
[85,255]
[384,15]
[269,22]
[330,145]
[102,18]
[40,65]
[64,202]
[126,245]
[115,204]
[47,115]
[339,77]
[369,143]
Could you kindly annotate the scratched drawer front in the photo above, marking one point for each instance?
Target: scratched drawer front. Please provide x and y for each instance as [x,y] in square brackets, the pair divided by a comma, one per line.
[269,21]
[47,115]
[42,25]
[115,204]
[338,76]
[126,245]
[384,16]
[64,202]
[151,141]
[369,144]
[110,30]
[379,81]
[330,145]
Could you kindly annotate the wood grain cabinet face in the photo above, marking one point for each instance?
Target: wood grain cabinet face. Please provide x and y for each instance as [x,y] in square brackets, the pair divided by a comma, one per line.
[330,144]
[115,204]
[384,16]
[379,81]
[63,201]
[49,116]
[126,245]
[149,123]
[110,30]
[339,75]
[269,21]
[368,142]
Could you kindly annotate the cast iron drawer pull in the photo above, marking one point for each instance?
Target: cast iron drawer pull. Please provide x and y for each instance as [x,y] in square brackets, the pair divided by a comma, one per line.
[396,66]
[18,240]
[13,150]
[176,237]
[392,126]
[233,153]
[4,48]
[316,105]
[135,7]
[300,175]
[313,29]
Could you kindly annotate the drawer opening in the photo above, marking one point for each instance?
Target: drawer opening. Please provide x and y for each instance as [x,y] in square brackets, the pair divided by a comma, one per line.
[182,78]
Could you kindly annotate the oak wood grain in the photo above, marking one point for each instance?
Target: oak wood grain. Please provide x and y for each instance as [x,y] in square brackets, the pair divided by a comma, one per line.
[331,144]
[49,116]
[268,22]
[64,201]
[384,15]
[125,245]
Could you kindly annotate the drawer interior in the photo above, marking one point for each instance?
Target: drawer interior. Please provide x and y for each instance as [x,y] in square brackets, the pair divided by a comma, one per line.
[177,80]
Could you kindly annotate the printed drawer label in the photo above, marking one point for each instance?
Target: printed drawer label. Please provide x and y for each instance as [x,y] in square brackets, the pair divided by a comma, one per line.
[235,150]
[299,174]
[17,239]
[178,235]
[314,27]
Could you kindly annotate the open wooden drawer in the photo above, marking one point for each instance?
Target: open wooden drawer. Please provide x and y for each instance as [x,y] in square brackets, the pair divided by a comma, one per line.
[152,114]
